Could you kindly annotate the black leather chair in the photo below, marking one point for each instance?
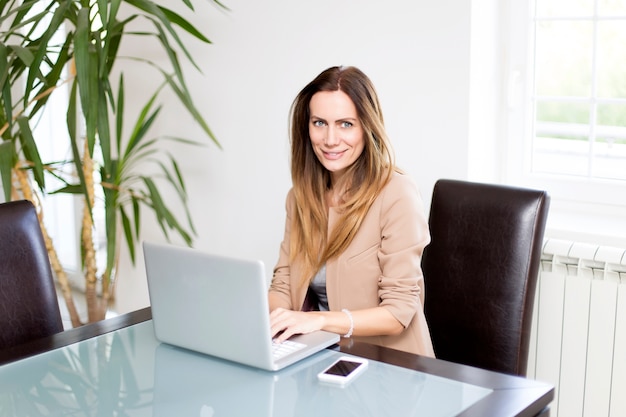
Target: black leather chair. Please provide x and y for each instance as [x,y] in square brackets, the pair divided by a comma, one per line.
[480,272]
[29,308]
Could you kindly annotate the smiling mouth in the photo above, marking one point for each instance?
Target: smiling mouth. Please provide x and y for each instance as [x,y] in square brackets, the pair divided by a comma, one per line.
[333,154]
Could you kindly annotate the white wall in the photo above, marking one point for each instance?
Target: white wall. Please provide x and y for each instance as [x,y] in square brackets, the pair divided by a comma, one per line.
[417,53]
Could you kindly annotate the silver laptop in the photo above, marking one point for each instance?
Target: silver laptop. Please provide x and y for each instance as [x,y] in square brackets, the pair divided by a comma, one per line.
[218,306]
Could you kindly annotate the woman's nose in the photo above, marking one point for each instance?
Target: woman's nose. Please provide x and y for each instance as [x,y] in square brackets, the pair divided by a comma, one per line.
[332,138]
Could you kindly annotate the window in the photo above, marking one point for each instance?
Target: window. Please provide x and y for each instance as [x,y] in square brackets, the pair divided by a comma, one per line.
[579,95]
[566,124]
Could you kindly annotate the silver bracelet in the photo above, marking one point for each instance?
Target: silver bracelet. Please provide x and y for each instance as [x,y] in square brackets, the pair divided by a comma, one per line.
[345,310]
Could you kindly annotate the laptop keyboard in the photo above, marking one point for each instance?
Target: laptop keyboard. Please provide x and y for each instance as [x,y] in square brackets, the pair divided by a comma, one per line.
[280,350]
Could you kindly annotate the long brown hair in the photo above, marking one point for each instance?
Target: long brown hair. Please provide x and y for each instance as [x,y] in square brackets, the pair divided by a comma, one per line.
[310,242]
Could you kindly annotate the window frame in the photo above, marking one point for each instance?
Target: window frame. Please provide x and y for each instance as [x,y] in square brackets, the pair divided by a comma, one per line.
[581,206]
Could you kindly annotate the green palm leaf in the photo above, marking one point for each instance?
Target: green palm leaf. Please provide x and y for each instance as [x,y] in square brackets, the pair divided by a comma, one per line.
[7,161]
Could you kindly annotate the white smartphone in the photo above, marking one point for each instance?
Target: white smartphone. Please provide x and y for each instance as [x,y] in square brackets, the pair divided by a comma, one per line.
[343,370]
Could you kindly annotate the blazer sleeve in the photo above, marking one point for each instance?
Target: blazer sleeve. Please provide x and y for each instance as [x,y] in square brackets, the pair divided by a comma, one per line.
[404,234]
[281,278]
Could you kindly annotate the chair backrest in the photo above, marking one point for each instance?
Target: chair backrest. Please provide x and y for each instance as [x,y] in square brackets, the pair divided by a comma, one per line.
[480,272]
[29,307]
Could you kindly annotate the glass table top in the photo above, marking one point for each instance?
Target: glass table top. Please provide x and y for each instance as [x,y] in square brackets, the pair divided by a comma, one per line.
[128,372]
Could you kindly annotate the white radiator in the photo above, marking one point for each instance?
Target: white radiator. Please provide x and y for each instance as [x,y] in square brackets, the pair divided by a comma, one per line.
[578,340]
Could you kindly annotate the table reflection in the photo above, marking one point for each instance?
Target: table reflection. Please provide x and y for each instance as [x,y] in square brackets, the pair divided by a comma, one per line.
[94,377]
[129,373]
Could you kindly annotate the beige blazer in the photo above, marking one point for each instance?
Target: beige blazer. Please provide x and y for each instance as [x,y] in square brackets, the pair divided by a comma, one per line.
[381,267]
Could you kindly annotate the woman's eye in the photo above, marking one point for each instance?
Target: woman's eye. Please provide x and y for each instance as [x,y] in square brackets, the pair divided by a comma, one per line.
[318,123]
[346,124]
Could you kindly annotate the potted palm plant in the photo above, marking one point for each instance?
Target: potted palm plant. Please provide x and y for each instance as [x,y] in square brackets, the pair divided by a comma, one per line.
[35,64]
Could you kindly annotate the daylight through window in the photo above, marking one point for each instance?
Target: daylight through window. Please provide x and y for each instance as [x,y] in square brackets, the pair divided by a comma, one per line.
[580,89]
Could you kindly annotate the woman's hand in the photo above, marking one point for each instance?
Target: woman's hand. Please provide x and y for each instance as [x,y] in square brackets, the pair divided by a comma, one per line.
[285,323]
[367,322]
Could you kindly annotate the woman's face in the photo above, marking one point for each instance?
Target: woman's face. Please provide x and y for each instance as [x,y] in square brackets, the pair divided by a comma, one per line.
[335,131]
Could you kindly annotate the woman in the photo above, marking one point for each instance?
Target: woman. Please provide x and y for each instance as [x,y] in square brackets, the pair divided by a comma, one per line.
[355,230]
